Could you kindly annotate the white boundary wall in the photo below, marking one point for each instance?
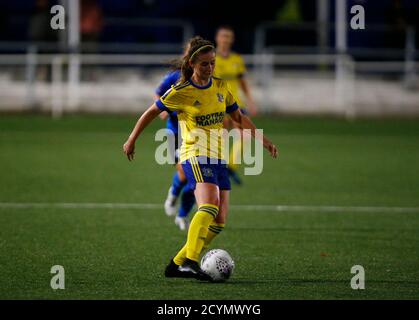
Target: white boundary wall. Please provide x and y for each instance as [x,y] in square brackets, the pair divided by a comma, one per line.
[125,83]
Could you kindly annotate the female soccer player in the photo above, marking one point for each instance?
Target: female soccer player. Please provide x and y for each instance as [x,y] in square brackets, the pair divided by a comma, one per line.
[201,102]
[179,186]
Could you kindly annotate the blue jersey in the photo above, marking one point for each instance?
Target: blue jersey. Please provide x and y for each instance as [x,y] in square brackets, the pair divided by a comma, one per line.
[170,79]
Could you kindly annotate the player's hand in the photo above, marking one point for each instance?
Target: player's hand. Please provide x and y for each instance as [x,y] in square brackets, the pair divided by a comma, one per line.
[273,150]
[129,148]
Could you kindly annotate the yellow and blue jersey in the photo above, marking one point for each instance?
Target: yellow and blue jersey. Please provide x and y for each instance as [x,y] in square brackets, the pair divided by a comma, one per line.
[231,69]
[200,111]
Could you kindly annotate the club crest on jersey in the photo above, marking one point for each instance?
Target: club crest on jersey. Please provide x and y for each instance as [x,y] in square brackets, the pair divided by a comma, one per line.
[220,97]
[207,172]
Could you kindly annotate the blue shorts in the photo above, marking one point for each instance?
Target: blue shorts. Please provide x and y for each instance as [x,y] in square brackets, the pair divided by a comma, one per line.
[203,169]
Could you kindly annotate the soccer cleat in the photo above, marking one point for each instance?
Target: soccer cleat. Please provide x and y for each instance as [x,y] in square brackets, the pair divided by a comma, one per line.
[234,176]
[172,271]
[193,269]
[170,204]
[182,223]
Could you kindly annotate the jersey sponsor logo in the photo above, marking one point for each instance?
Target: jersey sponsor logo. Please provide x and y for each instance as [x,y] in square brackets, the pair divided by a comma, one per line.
[209,119]
[196,103]
[220,97]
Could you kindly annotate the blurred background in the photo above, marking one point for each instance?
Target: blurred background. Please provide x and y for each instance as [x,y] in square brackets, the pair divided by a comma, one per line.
[302,56]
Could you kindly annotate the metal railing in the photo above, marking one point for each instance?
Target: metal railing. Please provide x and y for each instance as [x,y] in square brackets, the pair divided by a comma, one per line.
[64,95]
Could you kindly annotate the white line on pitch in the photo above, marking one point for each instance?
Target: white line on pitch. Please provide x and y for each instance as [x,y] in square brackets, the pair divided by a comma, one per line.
[155,206]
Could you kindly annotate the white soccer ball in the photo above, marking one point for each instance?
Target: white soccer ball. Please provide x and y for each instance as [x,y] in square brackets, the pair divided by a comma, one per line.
[218,264]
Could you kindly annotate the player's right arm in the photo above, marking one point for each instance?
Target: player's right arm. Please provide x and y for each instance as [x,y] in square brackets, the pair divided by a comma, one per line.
[163,115]
[170,101]
[149,115]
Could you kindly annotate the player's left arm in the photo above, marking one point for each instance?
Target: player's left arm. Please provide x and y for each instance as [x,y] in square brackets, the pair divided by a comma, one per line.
[245,123]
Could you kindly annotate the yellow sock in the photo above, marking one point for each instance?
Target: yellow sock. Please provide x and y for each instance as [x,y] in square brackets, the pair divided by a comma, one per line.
[213,230]
[197,233]
[179,259]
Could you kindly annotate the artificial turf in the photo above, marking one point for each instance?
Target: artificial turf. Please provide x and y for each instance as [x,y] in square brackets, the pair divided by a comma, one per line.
[120,253]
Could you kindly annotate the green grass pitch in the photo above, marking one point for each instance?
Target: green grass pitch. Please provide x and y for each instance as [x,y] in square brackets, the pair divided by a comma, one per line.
[120,253]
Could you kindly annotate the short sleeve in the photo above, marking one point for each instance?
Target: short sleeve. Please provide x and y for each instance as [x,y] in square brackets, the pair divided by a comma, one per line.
[170,101]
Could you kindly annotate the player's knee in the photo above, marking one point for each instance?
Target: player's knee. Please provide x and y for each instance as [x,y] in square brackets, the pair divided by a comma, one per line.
[210,209]
[207,193]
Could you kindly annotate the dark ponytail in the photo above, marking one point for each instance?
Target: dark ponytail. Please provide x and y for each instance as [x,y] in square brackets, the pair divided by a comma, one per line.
[195,46]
